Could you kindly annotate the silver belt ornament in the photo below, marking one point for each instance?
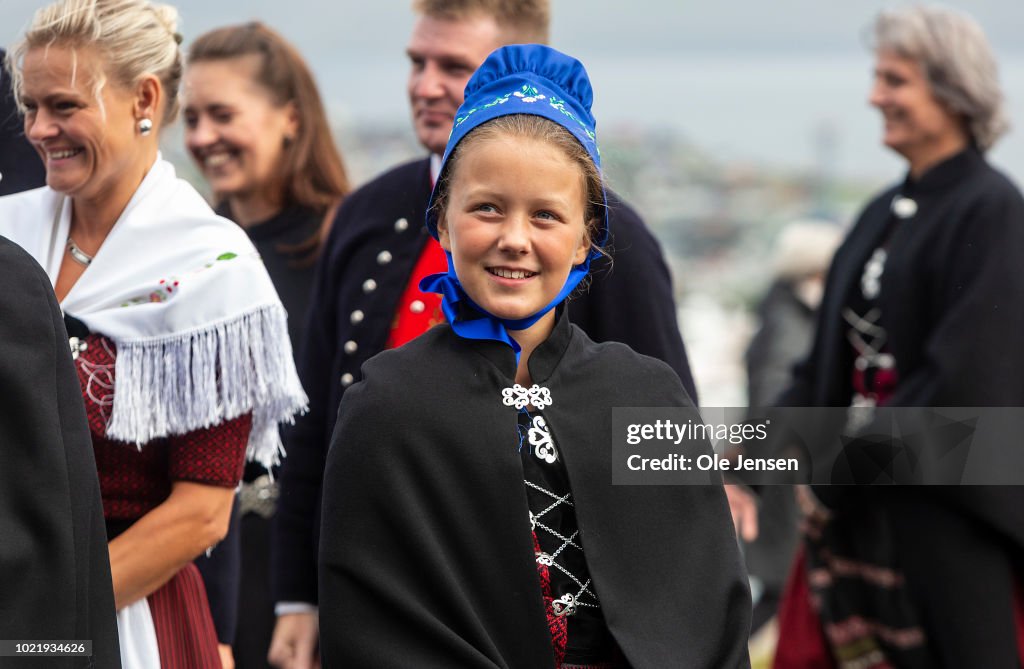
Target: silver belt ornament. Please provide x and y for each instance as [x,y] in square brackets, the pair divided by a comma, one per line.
[259,497]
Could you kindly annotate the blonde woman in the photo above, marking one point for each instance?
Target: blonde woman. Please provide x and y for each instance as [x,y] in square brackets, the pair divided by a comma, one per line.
[180,340]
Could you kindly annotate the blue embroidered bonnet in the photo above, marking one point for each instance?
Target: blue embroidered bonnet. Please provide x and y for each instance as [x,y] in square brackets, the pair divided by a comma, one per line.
[517,79]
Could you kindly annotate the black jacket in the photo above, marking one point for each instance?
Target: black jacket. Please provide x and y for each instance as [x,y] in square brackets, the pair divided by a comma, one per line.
[952,294]
[426,554]
[377,237]
[224,573]
[54,568]
[951,299]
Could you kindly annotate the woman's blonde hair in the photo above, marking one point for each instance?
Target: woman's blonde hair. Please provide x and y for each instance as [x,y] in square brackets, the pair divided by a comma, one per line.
[957,60]
[134,38]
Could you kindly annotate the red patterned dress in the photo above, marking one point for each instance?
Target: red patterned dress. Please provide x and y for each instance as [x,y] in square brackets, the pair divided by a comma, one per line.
[134,481]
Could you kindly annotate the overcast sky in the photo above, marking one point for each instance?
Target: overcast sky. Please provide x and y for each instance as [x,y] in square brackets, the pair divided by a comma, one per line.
[371,28]
[750,77]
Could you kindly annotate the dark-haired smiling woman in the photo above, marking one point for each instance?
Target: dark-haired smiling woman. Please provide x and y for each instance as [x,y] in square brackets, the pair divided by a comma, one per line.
[256,127]
[924,307]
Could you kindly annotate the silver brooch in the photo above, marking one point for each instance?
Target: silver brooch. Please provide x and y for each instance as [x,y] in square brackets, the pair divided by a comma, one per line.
[903,207]
[517,396]
[871,279]
[540,439]
[77,346]
[564,605]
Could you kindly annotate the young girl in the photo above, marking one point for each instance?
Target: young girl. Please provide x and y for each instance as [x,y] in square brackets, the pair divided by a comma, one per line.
[469,518]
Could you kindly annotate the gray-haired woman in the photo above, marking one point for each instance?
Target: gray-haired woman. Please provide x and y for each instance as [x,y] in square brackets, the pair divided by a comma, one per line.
[923,308]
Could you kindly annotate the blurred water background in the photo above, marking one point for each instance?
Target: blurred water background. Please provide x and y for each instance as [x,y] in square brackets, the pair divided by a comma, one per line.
[720,123]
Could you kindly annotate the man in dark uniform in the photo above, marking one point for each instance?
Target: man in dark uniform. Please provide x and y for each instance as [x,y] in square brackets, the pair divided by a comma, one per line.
[20,166]
[366,297]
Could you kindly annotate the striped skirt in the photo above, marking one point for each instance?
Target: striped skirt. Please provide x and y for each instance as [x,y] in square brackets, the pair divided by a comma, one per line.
[171,628]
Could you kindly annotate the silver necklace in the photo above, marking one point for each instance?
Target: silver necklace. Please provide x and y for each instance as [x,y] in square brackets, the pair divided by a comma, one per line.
[77,254]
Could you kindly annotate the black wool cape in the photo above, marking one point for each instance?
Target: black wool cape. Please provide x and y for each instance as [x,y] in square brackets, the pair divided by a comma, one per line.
[426,554]
[54,569]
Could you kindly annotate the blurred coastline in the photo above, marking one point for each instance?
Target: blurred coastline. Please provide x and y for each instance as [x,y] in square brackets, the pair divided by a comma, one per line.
[716,165]
[719,124]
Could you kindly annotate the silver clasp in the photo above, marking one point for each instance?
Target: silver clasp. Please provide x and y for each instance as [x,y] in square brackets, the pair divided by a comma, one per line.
[77,346]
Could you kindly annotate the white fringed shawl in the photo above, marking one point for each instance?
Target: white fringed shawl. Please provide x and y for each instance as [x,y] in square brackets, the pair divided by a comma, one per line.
[201,335]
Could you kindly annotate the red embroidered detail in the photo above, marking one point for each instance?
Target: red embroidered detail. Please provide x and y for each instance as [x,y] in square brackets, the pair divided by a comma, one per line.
[879,385]
[557,625]
[132,481]
[135,480]
[95,367]
[417,311]
[215,456]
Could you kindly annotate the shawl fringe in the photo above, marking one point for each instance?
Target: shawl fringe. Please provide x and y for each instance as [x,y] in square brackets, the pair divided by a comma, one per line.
[172,385]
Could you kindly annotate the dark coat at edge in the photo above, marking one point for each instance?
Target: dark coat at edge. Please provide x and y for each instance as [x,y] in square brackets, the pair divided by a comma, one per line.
[54,568]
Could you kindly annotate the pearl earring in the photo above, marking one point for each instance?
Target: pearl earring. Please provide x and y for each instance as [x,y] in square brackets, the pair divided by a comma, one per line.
[145,126]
